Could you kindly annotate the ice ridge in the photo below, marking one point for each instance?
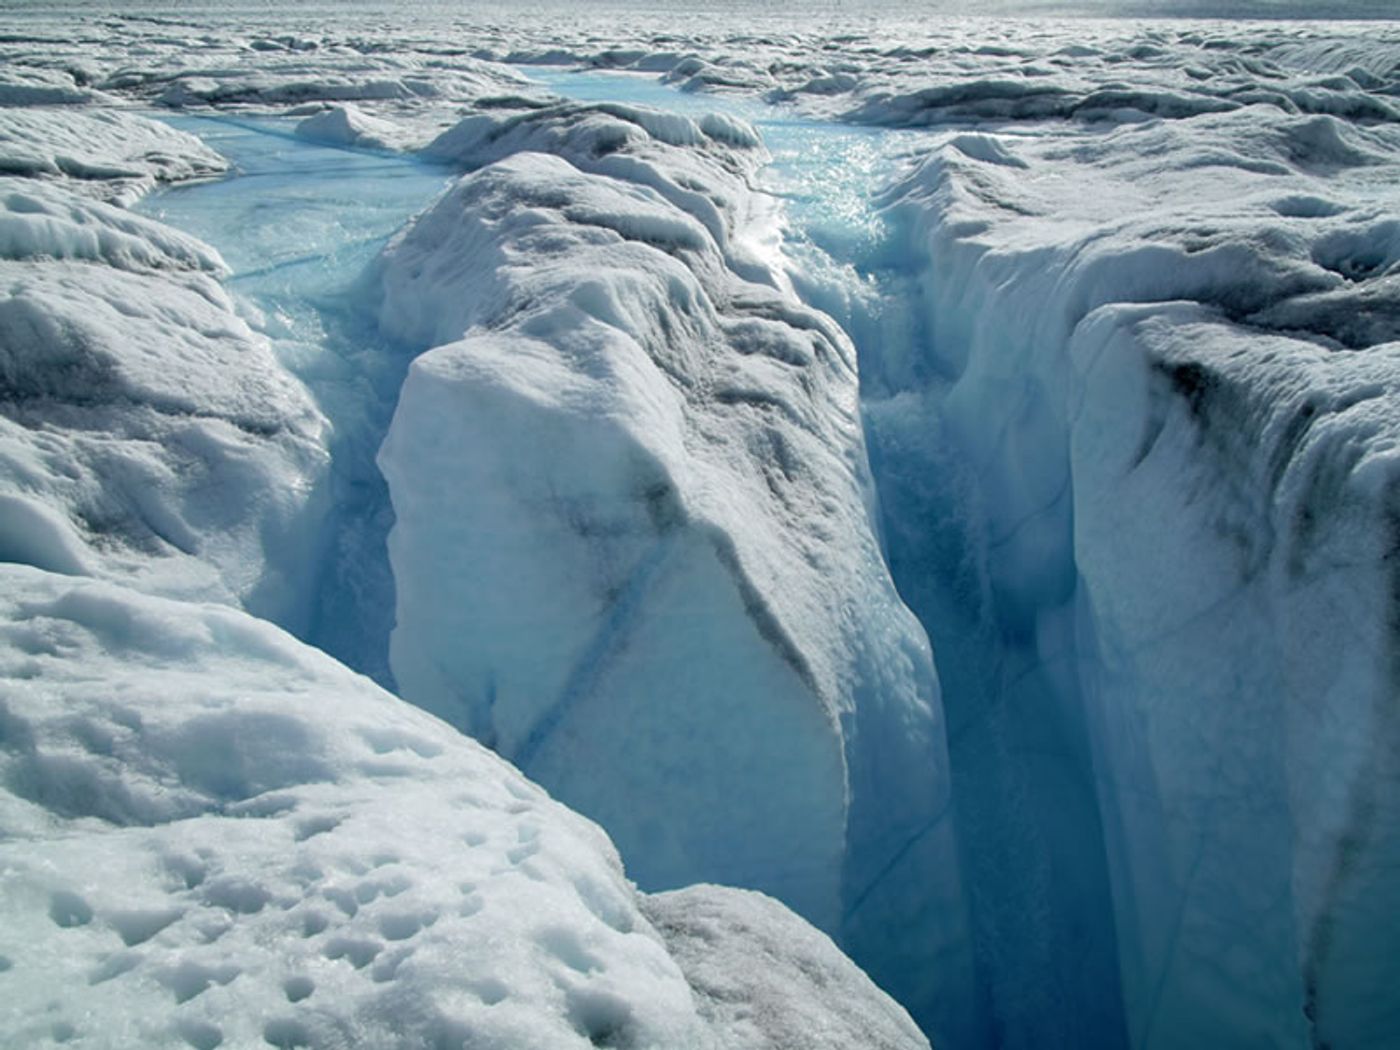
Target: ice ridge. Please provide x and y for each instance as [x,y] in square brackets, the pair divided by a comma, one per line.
[621,379]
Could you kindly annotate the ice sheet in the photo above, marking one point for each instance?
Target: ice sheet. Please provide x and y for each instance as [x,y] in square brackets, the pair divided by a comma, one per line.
[1125,317]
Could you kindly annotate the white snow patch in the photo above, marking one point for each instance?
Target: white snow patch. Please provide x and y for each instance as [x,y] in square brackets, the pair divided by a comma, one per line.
[212,835]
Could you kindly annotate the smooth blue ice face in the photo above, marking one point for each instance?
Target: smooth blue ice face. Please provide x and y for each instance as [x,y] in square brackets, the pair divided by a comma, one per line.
[298,222]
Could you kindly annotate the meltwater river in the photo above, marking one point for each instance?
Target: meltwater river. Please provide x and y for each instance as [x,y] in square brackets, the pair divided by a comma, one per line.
[299,221]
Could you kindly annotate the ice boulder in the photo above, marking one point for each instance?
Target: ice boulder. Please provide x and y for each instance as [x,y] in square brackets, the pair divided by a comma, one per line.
[146,433]
[744,953]
[346,125]
[633,548]
[213,835]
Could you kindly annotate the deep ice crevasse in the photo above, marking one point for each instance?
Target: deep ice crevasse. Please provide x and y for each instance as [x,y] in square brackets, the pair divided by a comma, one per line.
[1305,215]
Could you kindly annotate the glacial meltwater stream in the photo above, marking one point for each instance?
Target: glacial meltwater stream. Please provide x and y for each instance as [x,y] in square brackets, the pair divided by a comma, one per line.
[299,222]
[1023,786]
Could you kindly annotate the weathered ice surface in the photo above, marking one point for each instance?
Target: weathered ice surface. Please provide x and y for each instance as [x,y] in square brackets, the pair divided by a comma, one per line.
[1176,531]
[106,153]
[1070,346]
[346,125]
[744,953]
[212,834]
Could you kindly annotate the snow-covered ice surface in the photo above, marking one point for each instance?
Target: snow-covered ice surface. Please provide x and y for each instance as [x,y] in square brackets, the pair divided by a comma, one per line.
[148,435]
[744,953]
[1078,339]
[346,125]
[214,835]
[109,153]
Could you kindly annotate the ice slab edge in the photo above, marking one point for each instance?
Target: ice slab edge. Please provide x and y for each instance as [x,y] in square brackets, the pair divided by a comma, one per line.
[149,435]
[214,835]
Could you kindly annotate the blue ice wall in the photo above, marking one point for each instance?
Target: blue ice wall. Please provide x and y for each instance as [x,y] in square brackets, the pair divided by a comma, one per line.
[996,591]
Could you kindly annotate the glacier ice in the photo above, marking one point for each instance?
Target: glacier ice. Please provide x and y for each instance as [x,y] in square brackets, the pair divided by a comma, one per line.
[1111,414]
[146,424]
[1248,705]
[115,154]
[1141,539]
[742,953]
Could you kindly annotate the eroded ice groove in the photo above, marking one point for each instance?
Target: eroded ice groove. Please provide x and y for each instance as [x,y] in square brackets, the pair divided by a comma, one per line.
[214,835]
[632,440]
[1146,708]
[297,224]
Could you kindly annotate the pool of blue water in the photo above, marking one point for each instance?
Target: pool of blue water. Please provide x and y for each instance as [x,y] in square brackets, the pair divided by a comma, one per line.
[296,219]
